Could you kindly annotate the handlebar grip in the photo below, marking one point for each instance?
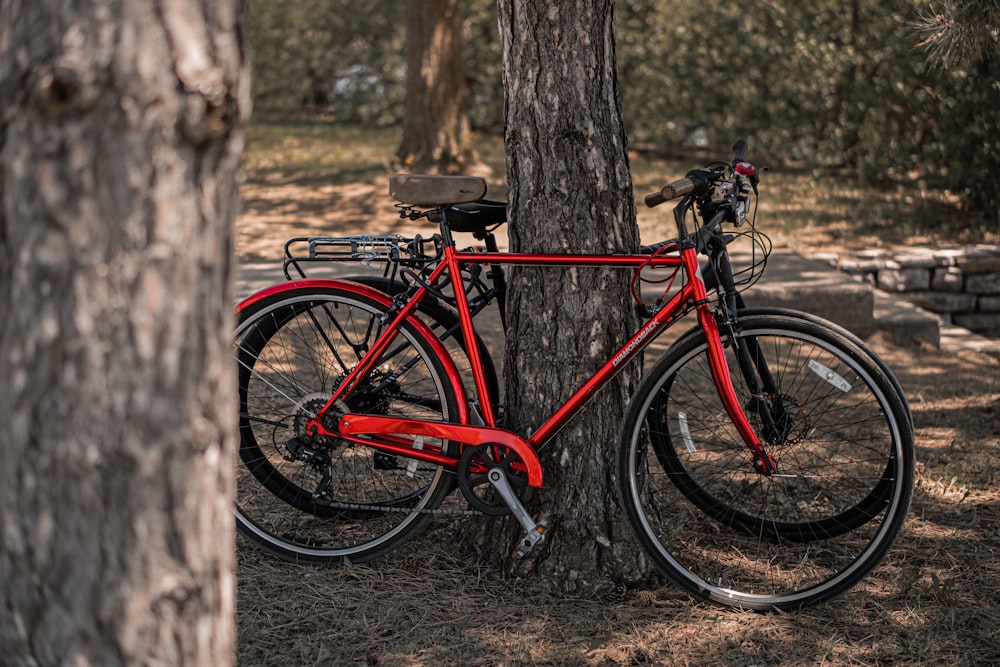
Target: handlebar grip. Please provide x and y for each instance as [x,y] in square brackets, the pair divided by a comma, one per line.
[670,191]
[740,151]
[654,199]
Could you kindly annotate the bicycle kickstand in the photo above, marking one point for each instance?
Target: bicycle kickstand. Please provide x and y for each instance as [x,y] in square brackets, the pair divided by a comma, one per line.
[535,534]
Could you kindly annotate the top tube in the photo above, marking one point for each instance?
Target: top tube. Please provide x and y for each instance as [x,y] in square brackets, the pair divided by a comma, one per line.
[566,259]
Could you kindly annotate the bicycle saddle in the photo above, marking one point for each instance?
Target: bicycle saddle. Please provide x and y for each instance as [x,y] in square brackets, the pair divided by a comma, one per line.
[476,216]
[423,190]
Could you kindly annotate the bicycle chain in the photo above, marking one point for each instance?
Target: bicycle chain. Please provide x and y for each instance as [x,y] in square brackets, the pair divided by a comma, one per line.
[388,509]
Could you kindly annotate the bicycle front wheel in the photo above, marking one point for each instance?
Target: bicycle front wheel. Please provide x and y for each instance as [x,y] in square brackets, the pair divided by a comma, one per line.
[813,529]
[324,500]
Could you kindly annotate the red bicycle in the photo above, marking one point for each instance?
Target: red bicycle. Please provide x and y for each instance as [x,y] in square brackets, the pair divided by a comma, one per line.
[766,460]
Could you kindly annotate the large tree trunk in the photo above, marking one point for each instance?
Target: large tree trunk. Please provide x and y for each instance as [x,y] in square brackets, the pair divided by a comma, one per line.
[435,124]
[120,139]
[569,191]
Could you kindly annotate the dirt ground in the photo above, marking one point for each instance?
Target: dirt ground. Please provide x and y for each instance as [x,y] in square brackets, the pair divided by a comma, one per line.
[934,600]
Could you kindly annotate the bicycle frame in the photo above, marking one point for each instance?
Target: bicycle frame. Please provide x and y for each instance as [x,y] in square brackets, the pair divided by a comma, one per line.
[350,476]
[382,433]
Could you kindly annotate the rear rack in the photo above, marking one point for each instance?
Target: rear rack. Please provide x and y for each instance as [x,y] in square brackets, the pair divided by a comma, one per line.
[380,252]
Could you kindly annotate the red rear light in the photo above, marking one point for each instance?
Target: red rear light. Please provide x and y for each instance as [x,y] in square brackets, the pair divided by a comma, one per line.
[744,169]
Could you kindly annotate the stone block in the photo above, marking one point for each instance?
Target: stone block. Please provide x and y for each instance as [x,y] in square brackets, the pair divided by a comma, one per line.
[987,324]
[947,279]
[949,256]
[989,304]
[904,280]
[859,267]
[898,317]
[917,259]
[829,258]
[791,281]
[873,253]
[943,302]
[982,283]
[979,261]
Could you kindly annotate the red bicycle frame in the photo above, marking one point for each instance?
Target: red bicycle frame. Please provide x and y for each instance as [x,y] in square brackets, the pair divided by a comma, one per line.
[383,433]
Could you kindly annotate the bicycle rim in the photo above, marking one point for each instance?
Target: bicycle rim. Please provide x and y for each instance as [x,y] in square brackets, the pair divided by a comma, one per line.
[729,534]
[326,500]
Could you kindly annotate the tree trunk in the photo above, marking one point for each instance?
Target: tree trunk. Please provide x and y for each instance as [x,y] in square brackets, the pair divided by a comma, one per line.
[569,191]
[435,123]
[120,139]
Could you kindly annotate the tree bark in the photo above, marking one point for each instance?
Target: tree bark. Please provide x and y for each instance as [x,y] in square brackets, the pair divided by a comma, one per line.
[435,124]
[120,140]
[570,190]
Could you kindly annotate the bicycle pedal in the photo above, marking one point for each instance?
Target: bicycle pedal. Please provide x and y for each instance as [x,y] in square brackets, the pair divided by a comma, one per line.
[530,541]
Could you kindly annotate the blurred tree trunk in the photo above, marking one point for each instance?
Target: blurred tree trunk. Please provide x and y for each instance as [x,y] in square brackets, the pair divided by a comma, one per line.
[570,190]
[120,140]
[435,123]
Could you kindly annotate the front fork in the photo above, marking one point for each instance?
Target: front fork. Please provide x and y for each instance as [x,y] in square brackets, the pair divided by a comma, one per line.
[753,367]
[763,462]
[757,376]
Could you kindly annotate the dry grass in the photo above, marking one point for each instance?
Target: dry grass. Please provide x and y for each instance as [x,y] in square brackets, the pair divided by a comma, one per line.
[934,600]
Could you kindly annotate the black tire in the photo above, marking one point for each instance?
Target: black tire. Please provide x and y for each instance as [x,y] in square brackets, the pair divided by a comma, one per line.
[728,534]
[330,501]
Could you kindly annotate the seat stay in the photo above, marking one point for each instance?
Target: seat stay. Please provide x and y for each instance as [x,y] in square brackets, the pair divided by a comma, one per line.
[469,334]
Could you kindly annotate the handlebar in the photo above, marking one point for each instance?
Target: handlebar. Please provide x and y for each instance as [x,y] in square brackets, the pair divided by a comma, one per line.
[697,181]
[670,191]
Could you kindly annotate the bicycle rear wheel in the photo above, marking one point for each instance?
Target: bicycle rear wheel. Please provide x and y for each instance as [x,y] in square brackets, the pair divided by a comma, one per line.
[726,533]
[324,500]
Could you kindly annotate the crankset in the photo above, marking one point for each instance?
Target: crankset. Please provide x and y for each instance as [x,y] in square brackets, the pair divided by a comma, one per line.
[474,468]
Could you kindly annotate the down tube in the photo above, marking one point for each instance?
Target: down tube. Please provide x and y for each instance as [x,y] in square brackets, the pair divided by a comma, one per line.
[670,312]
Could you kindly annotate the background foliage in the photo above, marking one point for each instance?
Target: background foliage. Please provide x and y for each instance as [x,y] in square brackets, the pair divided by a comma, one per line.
[827,84]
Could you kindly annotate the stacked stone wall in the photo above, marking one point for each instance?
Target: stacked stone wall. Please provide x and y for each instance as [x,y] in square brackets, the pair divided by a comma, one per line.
[962,285]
